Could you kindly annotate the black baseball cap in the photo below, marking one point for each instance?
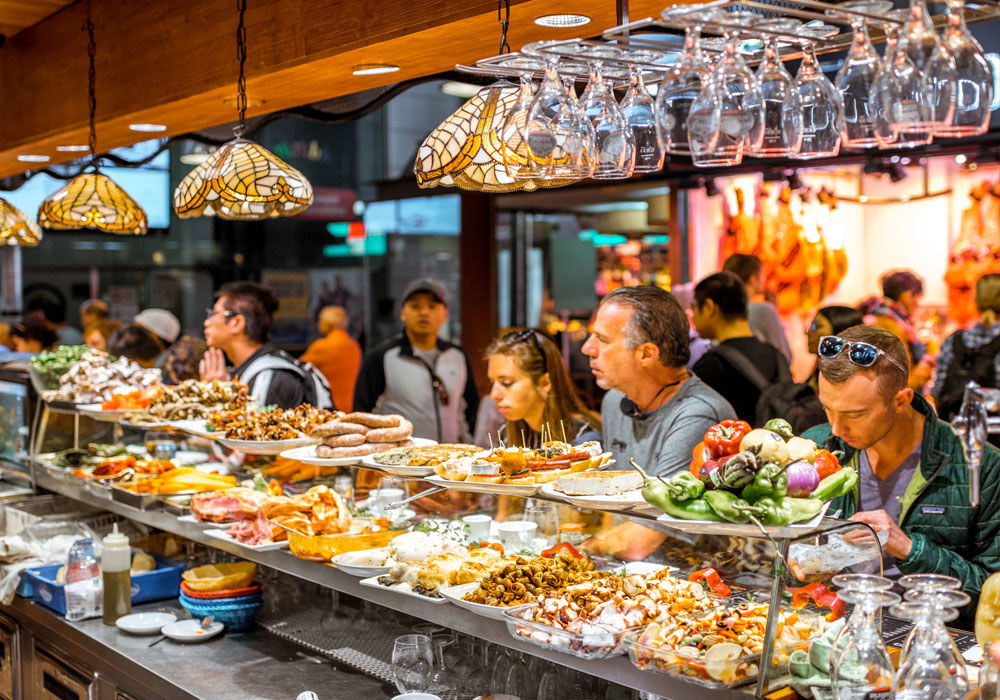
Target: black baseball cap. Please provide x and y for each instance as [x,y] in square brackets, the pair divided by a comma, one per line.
[427,286]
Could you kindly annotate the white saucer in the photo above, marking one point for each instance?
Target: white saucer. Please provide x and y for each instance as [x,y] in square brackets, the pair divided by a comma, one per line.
[191,630]
[144,622]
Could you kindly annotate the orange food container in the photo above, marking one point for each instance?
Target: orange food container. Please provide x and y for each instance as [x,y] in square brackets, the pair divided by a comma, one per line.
[324,547]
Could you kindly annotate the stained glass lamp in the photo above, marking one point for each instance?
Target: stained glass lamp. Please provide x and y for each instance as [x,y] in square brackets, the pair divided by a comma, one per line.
[242,181]
[16,228]
[92,200]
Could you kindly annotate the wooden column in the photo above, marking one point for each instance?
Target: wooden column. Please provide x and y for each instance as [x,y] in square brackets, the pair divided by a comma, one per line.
[478,281]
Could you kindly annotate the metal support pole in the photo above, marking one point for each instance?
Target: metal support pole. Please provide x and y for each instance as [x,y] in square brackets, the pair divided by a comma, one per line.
[773,613]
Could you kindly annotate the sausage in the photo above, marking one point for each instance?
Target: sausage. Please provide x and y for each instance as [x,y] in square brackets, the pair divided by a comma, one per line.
[400,432]
[337,427]
[349,440]
[327,452]
[373,420]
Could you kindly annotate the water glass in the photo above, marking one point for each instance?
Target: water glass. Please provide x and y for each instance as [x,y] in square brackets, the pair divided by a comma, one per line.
[412,662]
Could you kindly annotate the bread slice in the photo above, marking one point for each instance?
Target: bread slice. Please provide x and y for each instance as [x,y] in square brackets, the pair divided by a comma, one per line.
[608,483]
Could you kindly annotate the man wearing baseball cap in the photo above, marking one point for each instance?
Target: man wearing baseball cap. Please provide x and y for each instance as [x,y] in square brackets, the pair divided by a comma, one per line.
[418,375]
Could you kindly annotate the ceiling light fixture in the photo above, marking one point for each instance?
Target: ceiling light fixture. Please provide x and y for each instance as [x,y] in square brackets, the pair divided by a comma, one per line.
[92,200]
[73,149]
[374,68]
[562,20]
[148,128]
[457,88]
[32,158]
[242,180]
[16,228]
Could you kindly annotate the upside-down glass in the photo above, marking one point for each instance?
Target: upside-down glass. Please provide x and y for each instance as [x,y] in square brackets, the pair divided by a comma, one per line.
[856,75]
[863,669]
[412,662]
[517,157]
[614,145]
[821,103]
[944,605]
[897,94]
[974,77]
[640,116]
[782,107]
[927,666]
[859,583]
[741,123]
[708,146]
[924,49]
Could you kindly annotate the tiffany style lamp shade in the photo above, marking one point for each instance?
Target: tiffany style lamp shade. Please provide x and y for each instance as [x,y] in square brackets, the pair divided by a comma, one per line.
[16,228]
[92,200]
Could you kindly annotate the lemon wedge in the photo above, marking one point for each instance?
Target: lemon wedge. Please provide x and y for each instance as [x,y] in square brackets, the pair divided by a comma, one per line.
[720,661]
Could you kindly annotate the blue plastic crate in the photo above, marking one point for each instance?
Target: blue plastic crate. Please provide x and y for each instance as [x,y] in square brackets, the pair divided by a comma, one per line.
[162,583]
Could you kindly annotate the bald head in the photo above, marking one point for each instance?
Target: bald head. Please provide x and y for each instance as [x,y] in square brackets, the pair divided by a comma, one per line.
[332,318]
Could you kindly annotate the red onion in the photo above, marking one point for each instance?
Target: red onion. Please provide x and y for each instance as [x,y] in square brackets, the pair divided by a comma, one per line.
[802,478]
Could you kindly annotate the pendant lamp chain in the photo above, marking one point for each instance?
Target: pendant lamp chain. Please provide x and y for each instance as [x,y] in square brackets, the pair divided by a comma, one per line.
[241,56]
[503,16]
[92,87]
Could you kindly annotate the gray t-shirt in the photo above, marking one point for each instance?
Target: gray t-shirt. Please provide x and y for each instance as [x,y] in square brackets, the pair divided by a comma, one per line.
[663,441]
[766,326]
[886,494]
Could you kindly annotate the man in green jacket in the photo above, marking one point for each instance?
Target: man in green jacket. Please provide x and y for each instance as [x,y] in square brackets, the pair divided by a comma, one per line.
[913,481]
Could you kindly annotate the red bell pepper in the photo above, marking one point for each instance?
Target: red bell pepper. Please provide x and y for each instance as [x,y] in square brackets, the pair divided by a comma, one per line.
[487,545]
[699,455]
[826,463]
[712,579]
[724,438]
[550,553]
[821,596]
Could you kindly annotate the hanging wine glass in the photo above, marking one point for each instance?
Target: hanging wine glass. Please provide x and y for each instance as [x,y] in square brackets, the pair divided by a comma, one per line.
[614,142]
[782,107]
[708,148]
[821,103]
[854,80]
[639,110]
[974,82]
[687,79]
[741,120]
[517,157]
[923,47]
[897,94]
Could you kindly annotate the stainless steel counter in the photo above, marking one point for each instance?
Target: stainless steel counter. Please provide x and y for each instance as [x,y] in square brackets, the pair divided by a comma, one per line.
[236,666]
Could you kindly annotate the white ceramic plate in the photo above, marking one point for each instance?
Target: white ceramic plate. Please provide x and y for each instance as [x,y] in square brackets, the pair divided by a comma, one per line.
[265,447]
[144,622]
[223,535]
[373,583]
[629,499]
[205,524]
[308,456]
[190,457]
[195,427]
[361,571]
[478,487]
[455,593]
[707,527]
[126,423]
[191,630]
[94,411]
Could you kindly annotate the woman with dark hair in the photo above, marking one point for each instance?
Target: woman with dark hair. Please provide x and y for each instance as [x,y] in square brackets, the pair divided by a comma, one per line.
[135,343]
[830,320]
[33,335]
[533,391]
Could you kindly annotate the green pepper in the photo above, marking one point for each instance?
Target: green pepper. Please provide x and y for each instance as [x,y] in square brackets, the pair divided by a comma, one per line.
[737,472]
[787,510]
[781,427]
[684,486]
[730,507]
[770,480]
[837,484]
[657,493]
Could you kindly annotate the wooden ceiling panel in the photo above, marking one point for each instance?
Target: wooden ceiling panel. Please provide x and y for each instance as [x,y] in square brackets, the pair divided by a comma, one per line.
[173,61]
[15,15]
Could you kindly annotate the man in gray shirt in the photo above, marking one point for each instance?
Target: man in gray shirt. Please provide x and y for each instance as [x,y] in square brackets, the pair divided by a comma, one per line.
[655,410]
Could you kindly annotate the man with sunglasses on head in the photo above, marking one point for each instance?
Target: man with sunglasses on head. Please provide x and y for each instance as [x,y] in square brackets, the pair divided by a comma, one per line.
[418,375]
[913,486]
[238,327]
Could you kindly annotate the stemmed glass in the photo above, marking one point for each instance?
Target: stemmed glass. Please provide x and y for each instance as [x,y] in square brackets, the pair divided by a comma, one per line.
[639,110]
[854,80]
[479,681]
[896,91]
[741,125]
[782,105]
[821,103]
[517,157]
[974,77]
[923,47]
[863,668]
[688,79]
[501,670]
[412,662]
[443,678]
[928,666]
[614,143]
[858,583]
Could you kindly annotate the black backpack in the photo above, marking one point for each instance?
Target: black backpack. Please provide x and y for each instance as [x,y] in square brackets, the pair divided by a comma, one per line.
[785,398]
[968,365]
[316,388]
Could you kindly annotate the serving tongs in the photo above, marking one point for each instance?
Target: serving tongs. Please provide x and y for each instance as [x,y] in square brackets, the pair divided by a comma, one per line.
[425,492]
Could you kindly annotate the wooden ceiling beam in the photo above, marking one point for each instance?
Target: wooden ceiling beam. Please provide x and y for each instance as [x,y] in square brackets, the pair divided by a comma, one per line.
[173,62]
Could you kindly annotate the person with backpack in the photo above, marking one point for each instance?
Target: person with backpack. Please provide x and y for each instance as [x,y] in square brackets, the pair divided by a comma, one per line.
[971,355]
[238,328]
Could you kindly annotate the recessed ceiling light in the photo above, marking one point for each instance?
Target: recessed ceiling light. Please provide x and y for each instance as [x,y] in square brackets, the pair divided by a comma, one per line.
[149,128]
[30,158]
[562,20]
[73,149]
[374,68]
[457,88]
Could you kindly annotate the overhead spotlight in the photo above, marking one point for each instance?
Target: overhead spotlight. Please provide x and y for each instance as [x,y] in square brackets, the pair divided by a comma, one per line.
[794,181]
[711,188]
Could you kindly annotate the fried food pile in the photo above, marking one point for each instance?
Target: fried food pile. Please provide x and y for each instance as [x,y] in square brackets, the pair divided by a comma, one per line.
[318,511]
[524,579]
[193,399]
[279,424]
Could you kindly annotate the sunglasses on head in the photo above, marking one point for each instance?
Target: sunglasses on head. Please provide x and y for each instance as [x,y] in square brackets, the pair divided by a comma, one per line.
[861,354]
[524,336]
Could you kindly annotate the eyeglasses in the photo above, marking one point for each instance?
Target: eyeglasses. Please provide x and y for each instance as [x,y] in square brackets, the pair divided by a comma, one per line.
[861,354]
[209,312]
[525,335]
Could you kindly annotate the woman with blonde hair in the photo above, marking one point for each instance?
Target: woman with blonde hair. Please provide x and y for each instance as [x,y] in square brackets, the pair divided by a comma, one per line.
[533,392]
[96,334]
[970,355]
